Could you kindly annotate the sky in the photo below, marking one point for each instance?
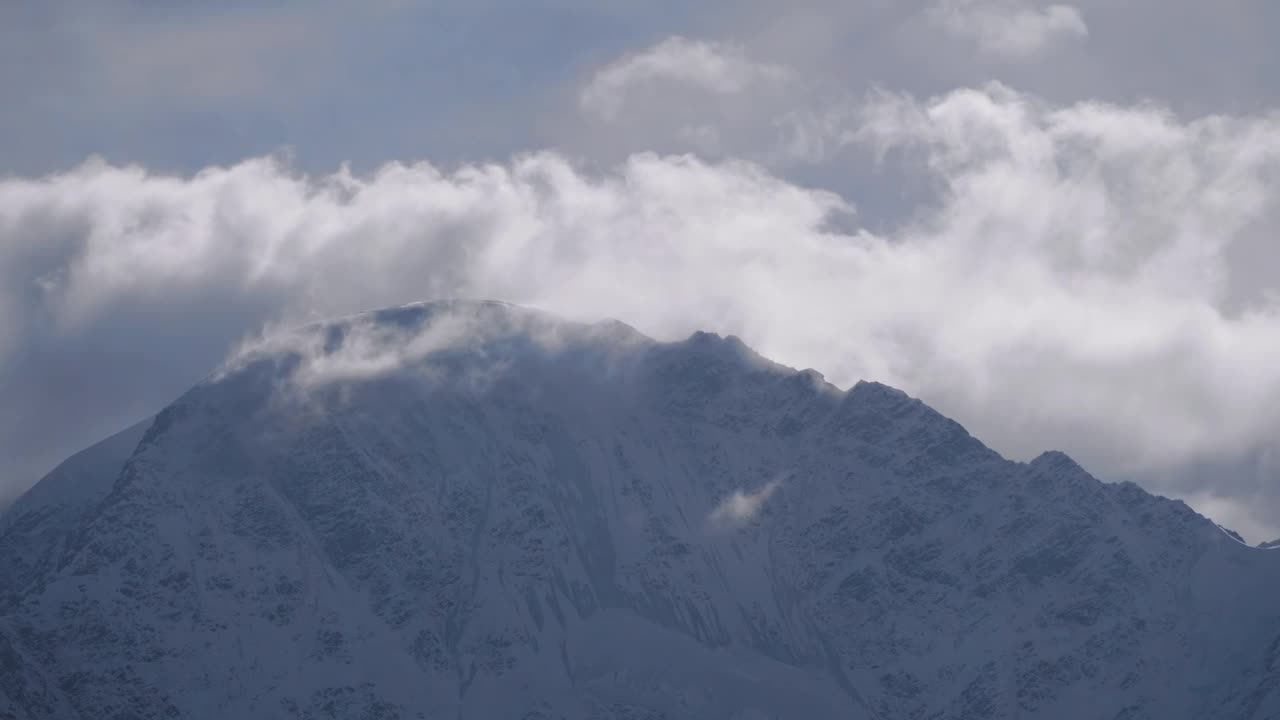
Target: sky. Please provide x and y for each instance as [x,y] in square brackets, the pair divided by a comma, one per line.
[1053,222]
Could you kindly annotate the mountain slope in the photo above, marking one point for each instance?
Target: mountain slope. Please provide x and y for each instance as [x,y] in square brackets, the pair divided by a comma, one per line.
[34,529]
[478,511]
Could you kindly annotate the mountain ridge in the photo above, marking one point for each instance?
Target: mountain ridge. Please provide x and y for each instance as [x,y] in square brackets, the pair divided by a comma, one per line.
[473,510]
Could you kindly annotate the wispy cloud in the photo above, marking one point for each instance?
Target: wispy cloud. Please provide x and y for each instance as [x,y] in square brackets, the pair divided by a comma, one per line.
[1015,28]
[740,508]
[712,67]
[362,348]
[407,341]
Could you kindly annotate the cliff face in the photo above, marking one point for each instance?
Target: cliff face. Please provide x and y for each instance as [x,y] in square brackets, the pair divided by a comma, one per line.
[470,510]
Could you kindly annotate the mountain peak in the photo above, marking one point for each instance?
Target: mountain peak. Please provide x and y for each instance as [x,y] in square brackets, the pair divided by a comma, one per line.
[1056,460]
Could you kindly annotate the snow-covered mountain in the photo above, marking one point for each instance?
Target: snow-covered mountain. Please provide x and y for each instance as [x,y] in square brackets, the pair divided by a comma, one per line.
[472,510]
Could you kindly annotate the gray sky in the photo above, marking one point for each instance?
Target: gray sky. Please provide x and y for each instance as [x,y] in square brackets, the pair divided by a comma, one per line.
[1051,221]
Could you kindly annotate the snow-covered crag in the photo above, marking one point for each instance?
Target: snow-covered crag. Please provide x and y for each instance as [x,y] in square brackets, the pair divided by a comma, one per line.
[471,510]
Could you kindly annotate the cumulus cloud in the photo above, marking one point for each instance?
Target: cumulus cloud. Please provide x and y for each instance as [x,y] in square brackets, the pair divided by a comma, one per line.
[740,508]
[712,67]
[1009,27]
[1083,276]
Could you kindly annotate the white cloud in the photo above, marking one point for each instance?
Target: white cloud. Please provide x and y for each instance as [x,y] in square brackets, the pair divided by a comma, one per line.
[1112,233]
[1009,27]
[740,508]
[1079,281]
[712,67]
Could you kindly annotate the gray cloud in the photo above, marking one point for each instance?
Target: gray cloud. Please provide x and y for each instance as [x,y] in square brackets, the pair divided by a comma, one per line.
[1009,27]
[337,80]
[206,61]
[366,82]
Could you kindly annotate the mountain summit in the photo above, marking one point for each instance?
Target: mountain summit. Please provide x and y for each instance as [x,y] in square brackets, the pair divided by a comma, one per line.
[473,510]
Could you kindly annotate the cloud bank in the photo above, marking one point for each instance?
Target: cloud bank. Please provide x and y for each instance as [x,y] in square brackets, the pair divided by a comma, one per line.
[1086,276]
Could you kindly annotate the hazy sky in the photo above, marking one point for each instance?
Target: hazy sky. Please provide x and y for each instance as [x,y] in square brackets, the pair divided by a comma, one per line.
[1053,222]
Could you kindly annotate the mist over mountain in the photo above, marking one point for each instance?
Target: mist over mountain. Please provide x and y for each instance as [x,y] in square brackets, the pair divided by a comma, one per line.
[476,510]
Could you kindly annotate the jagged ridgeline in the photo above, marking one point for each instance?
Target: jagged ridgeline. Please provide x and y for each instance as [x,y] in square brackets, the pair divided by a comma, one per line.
[473,510]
